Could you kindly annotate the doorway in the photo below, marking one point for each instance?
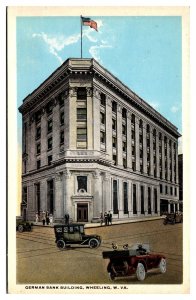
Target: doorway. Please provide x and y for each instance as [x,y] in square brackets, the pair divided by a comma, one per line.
[82,212]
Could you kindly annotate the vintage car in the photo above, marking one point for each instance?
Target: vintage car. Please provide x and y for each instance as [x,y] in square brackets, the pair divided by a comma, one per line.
[135,260]
[73,234]
[172,218]
[22,225]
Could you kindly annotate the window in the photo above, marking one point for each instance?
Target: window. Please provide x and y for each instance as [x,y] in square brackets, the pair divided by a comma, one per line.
[114,106]
[49,160]
[61,99]
[103,99]
[133,165]
[49,125]
[49,107]
[113,124]
[155,201]
[38,164]
[82,183]
[134,199]
[133,119]
[81,134]
[38,150]
[50,195]
[113,142]
[123,129]
[81,93]
[166,191]
[38,132]
[124,113]
[102,137]
[115,197]
[81,114]
[24,196]
[149,200]
[161,188]
[124,162]
[175,191]
[124,146]
[125,194]
[37,194]
[50,143]
[62,137]
[142,199]
[102,118]
[114,159]
[62,117]
[38,116]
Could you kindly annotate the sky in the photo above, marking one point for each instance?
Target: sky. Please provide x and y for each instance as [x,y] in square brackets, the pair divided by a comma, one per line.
[145,53]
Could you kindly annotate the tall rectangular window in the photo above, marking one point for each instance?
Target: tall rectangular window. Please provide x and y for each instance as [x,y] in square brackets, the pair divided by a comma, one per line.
[102,137]
[81,114]
[37,194]
[82,183]
[115,197]
[49,160]
[38,132]
[62,117]
[62,137]
[142,199]
[81,134]
[155,201]
[103,99]
[38,164]
[50,195]
[38,148]
[125,194]
[49,125]
[50,143]
[102,118]
[134,199]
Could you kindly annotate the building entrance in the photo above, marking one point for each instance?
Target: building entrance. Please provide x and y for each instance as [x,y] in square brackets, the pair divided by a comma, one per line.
[82,212]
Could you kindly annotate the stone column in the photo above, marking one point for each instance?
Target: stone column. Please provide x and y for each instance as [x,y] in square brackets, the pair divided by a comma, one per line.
[137,145]
[107,205]
[120,199]
[119,136]
[145,200]
[44,139]
[67,194]
[97,207]
[172,159]
[163,158]
[152,201]
[138,199]
[59,212]
[144,149]
[168,160]
[43,194]
[56,131]
[129,147]
[157,155]
[151,153]
[31,155]
[71,116]
[169,207]
[96,119]
[130,202]
[177,175]
[90,120]
[67,119]
[109,127]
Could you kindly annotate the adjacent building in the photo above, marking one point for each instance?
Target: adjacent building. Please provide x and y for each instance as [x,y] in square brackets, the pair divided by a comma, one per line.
[91,145]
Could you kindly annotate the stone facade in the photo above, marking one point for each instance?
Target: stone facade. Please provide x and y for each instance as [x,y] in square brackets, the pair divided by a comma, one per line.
[91,145]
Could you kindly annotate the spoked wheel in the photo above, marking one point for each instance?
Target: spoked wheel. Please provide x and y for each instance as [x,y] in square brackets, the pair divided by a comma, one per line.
[20,228]
[93,243]
[61,244]
[162,265]
[140,272]
[111,276]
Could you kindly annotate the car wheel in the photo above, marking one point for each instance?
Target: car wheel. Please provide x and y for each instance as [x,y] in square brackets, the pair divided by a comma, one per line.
[162,265]
[165,222]
[20,228]
[60,244]
[111,276]
[93,243]
[140,272]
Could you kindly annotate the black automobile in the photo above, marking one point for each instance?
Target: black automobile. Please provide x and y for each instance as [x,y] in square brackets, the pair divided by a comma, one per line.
[73,234]
[172,218]
[23,225]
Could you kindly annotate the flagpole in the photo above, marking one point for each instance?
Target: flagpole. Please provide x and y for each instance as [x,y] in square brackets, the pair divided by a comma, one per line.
[81,33]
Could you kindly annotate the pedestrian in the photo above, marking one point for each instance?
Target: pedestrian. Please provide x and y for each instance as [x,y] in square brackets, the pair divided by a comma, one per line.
[43,217]
[47,218]
[106,218]
[110,218]
[101,218]
[51,219]
[36,217]
[66,218]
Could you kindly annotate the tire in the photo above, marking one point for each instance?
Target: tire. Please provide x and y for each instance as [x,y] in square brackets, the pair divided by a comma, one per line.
[162,265]
[165,222]
[140,272]
[111,276]
[61,244]
[20,228]
[94,243]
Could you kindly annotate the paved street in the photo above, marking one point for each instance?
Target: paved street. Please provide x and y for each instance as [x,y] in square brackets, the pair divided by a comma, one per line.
[40,262]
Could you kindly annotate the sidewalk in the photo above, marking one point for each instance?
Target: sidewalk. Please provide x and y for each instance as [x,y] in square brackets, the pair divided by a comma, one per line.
[114,222]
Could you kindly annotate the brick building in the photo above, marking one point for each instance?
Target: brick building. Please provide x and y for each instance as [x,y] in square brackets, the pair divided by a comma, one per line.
[90,145]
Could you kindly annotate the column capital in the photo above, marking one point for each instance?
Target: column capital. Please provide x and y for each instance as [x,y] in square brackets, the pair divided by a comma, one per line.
[58,177]
[89,91]
[119,108]
[67,174]
[73,91]
[108,101]
[96,174]
[106,176]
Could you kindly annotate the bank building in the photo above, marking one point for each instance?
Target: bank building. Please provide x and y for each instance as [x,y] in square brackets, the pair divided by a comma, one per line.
[90,145]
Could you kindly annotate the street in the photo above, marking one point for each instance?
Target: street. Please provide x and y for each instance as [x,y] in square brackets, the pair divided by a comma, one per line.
[39,261]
